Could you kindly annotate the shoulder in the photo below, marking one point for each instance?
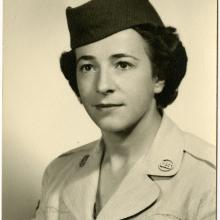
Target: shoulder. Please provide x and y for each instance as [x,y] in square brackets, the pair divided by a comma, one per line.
[193,146]
[200,150]
[69,160]
[198,166]
[87,148]
[197,173]
[198,161]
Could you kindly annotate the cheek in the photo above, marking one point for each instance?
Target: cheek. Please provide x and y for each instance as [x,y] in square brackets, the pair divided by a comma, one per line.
[85,87]
[140,87]
[141,102]
[141,95]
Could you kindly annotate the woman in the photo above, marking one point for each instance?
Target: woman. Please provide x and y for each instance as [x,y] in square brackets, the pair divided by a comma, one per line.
[125,66]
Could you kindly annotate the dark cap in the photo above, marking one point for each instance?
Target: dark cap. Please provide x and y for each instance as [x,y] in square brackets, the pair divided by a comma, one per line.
[98,19]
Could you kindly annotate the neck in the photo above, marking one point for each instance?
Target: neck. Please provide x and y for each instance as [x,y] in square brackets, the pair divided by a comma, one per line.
[123,149]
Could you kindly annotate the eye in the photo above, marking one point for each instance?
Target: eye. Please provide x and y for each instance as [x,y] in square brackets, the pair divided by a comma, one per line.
[124,65]
[86,68]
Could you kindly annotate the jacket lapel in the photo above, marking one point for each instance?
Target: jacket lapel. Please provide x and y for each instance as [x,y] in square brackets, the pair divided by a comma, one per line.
[138,191]
[80,190]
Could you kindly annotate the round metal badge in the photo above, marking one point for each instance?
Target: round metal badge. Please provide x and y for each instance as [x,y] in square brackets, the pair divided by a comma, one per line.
[166,165]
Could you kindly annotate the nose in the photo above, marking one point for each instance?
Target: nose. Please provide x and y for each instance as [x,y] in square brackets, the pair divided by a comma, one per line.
[105,83]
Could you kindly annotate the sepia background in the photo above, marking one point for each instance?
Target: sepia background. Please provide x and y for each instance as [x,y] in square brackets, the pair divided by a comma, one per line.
[42,117]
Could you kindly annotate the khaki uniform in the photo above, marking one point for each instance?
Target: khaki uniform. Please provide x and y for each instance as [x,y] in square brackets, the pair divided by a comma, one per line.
[175,180]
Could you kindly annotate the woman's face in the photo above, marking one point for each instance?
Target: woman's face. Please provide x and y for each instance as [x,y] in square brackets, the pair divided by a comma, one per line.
[115,82]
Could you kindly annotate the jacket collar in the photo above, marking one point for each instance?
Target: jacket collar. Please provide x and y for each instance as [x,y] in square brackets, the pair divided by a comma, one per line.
[167,148]
[79,193]
[137,191]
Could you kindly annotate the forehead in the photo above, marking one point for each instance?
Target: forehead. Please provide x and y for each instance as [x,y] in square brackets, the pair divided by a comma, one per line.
[126,41]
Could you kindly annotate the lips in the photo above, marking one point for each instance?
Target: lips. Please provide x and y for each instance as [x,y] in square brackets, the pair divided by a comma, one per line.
[107,106]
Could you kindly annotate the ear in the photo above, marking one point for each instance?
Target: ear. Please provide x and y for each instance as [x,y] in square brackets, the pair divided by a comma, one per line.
[159,85]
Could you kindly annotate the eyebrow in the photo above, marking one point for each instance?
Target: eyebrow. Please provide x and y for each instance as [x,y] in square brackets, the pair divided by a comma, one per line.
[122,55]
[115,56]
[85,57]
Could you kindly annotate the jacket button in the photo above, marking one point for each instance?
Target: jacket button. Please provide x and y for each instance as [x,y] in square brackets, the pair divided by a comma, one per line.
[83,161]
[166,165]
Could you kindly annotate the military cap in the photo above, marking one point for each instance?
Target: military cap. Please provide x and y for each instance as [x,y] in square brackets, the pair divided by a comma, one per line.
[98,19]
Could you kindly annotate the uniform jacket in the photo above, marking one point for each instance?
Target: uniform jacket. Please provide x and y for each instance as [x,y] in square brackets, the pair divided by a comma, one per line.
[175,180]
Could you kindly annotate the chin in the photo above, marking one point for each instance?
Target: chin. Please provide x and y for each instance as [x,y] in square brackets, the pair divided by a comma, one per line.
[112,128]
[115,126]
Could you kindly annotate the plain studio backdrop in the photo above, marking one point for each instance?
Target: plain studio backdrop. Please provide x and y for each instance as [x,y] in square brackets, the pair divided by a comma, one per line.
[42,117]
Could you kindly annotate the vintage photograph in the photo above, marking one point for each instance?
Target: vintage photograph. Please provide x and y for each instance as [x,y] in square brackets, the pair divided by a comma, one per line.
[109,110]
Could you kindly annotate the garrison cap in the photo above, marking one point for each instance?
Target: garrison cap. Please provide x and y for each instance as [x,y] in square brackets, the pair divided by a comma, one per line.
[98,19]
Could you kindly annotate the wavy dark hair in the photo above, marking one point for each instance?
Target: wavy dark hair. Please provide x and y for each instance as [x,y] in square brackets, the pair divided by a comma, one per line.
[168,58]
